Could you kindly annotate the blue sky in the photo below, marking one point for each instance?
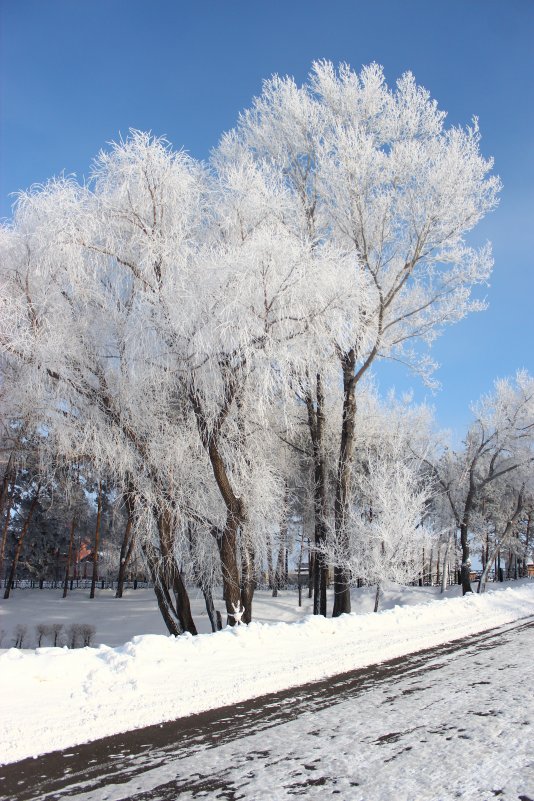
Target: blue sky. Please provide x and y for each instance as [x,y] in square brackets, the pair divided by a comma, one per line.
[75,74]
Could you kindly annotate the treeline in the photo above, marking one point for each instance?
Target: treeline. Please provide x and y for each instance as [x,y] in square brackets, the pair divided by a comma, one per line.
[201,336]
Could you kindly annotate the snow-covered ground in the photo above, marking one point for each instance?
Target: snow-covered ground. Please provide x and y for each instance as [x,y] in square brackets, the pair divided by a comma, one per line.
[55,697]
[118,620]
[455,727]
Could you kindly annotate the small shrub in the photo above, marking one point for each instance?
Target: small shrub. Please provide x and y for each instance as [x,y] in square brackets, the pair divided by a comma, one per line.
[20,635]
[80,634]
[87,633]
[55,632]
[74,635]
[42,630]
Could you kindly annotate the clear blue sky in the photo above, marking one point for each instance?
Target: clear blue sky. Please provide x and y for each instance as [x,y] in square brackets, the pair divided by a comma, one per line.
[77,73]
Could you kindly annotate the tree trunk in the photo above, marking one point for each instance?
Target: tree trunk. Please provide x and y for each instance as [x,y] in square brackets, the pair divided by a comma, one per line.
[465,569]
[125,557]
[299,568]
[229,567]
[235,508]
[69,556]
[18,548]
[163,597]
[527,544]
[270,567]
[445,571]
[320,574]
[214,618]
[94,578]
[235,516]
[341,574]
[171,575]
[5,483]
[248,578]
[126,545]
[6,524]
[377,597]
[279,565]
[316,423]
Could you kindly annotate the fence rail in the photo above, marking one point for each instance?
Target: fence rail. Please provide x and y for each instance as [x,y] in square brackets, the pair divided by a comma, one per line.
[138,584]
[74,584]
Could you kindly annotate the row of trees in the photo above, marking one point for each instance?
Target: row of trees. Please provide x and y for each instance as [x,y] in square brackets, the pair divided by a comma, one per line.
[202,336]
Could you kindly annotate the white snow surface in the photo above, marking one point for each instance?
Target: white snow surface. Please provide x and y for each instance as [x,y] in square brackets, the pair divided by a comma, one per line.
[454,727]
[53,698]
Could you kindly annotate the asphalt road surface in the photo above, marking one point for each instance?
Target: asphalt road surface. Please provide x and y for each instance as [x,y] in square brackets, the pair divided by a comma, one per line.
[176,760]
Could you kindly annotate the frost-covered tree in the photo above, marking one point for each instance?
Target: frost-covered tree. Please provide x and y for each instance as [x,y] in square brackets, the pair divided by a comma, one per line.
[388,519]
[153,314]
[499,443]
[375,171]
[83,311]
[499,521]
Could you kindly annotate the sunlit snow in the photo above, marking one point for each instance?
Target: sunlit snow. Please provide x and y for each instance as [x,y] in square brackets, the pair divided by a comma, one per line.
[55,697]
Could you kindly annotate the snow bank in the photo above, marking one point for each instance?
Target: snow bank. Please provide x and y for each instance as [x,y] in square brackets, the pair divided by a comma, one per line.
[53,698]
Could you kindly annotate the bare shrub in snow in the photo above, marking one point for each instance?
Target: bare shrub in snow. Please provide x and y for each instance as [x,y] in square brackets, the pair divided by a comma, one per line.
[74,635]
[20,635]
[55,633]
[87,633]
[42,630]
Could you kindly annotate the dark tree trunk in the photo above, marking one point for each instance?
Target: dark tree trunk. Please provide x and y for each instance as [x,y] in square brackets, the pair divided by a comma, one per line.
[126,545]
[270,566]
[5,483]
[235,509]
[229,567]
[69,557]
[277,583]
[465,569]
[320,573]
[18,547]
[5,528]
[316,422]
[163,597]
[202,584]
[299,568]
[377,598]
[94,578]
[213,615]
[341,574]
[248,578]
[183,605]
[171,576]
[527,544]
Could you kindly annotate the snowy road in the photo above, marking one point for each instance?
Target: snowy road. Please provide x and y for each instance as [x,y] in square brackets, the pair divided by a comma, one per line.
[454,722]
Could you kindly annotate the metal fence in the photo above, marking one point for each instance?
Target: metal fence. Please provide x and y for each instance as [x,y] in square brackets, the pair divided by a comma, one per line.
[74,584]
